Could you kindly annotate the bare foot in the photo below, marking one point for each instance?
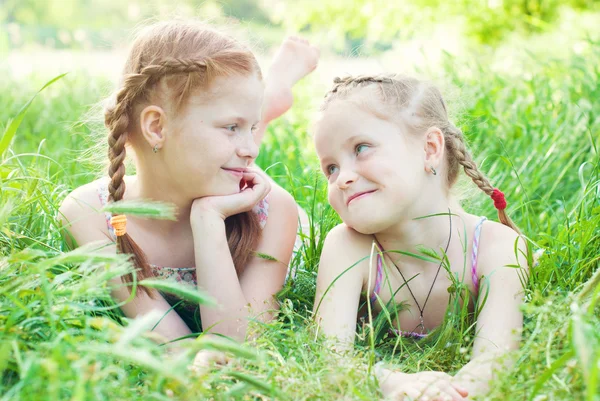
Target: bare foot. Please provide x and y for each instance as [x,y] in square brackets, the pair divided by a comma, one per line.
[295,59]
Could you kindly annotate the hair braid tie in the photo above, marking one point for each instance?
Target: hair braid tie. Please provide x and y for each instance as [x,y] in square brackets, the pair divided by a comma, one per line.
[498,198]
[119,224]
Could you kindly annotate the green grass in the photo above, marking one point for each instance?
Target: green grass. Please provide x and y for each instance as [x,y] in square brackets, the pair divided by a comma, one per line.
[534,131]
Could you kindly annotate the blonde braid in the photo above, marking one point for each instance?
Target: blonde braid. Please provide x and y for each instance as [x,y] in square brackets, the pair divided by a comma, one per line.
[458,152]
[355,81]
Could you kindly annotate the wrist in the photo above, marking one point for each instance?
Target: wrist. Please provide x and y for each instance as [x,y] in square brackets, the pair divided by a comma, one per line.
[201,219]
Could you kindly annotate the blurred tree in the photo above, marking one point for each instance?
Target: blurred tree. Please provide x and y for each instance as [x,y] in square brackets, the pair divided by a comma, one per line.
[378,22]
[73,23]
[349,26]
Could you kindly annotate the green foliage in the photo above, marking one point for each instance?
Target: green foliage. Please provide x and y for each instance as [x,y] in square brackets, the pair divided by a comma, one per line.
[365,27]
[355,27]
[534,130]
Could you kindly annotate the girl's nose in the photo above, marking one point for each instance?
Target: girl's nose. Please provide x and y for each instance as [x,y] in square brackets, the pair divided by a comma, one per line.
[346,177]
[247,147]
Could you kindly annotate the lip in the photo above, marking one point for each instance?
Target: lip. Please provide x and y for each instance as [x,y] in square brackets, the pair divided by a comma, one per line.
[358,195]
[238,172]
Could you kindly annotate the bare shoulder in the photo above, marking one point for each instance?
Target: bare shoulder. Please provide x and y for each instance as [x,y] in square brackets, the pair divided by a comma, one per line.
[81,216]
[346,236]
[281,202]
[500,246]
[279,233]
[347,246]
[281,214]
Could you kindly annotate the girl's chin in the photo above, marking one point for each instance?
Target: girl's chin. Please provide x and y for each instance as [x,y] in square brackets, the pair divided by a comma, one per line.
[223,190]
[366,224]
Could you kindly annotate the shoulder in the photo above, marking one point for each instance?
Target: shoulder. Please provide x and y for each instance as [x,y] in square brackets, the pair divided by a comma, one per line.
[343,235]
[280,228]
[346,246]
[80,213]
[500,246]
[345,258]
[81,200]
[277,208]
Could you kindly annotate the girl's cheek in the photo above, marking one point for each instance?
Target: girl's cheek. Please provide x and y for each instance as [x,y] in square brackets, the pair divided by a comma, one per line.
[332,197]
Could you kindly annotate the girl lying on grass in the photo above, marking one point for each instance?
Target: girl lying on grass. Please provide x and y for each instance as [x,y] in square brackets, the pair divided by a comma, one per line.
[391,157]
[189,111]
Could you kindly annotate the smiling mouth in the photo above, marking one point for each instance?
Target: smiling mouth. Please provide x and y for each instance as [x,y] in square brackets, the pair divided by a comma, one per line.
[359,195]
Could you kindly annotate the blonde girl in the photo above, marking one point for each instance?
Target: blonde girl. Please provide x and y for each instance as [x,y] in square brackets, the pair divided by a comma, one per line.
[391,157]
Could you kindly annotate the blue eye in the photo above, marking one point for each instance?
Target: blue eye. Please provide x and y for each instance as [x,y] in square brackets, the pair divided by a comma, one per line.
[361,148]
[231,128]
[331,169]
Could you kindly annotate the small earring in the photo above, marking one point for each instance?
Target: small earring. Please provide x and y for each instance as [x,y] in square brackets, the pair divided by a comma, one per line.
[155,148]
[433,171]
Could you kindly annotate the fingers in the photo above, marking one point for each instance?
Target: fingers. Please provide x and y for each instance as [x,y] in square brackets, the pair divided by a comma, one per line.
[205,359]
[423,386]
[442,390]
[442,393]
[433,375]
[461,390]
[409,394]
[258,182]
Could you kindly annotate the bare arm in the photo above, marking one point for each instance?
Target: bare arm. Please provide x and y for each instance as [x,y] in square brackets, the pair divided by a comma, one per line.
[251,294]
[80,217]
[500,322]
[339,284]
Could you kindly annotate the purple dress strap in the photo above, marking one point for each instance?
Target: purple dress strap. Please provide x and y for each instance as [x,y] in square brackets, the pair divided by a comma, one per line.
[476,236]
[379,277]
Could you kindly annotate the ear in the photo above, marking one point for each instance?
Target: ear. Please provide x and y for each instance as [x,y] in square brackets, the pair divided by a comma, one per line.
[435,146]
[152,123]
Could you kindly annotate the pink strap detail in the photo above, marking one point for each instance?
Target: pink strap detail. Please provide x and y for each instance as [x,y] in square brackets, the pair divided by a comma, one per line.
[103,196]
[379,277]
[476,235]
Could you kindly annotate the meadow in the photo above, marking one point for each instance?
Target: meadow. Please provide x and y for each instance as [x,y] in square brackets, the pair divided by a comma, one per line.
[533,128]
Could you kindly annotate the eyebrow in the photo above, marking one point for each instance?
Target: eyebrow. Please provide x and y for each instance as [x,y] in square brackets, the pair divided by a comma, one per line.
[352,138]
[327,159]
[239,120]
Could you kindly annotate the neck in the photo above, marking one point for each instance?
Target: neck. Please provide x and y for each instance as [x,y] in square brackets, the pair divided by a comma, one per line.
[415,230]
[150,185]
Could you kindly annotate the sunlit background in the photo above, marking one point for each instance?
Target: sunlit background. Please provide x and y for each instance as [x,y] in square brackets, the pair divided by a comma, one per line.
[51,36]
[521,79]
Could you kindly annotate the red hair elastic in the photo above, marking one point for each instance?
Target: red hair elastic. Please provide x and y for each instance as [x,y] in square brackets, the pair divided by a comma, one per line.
[498,198]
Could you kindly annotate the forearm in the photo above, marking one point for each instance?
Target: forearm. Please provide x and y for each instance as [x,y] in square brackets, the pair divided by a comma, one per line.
[217,276]
[168,325]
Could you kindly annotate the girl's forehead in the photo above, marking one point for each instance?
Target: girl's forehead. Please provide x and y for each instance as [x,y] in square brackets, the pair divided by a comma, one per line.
[341,111]
[248,86]
[353,114]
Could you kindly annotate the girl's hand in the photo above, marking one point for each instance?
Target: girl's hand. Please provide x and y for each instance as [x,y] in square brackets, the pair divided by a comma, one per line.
[422,386]
[254,186]
[206,359]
